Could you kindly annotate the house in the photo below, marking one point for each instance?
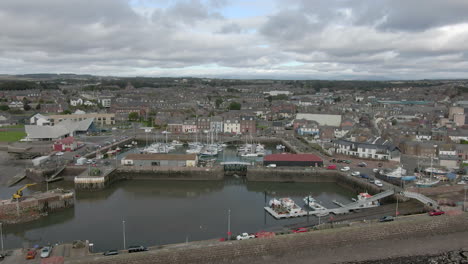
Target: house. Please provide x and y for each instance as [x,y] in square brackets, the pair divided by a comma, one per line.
[16,105]
[76,102]
[309,129]
[321,119]
[190,126]
[216,124]
[39,120]
[232,126]
[203,124]
[248,125]
[175,126]
[161,160]
[372,149]
[65,144]
[105,102]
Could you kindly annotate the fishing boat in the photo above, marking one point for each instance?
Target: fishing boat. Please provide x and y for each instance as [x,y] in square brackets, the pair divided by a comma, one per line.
[313,204]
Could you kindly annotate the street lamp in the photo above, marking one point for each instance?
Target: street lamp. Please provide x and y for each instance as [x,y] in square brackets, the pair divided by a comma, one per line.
[464,200]
[124,239]
[229,224]
[1,236]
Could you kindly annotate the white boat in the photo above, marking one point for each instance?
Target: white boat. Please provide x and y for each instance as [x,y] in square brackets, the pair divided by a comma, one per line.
[363,197]
[427,182]
[435,171]
[313,204]
[176,143]
[286,204]
[462,182]
[396,173]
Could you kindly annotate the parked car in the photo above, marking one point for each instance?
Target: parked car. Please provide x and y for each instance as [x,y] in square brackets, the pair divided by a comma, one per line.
[244,236]
[378,183]
[379,164]
[375,170]
[31,254]
[387,218]
[362,164]
[59,153]
[355,173]
[301,230]
[45,252]
[2,256]
[111,252]
[364,176]
[345,169]
[271,166]
[347,161]
[436,212]
[331,167]
[132,249]
[371,180]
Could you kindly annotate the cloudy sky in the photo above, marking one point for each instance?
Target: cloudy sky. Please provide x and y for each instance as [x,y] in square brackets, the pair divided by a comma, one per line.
[287,39]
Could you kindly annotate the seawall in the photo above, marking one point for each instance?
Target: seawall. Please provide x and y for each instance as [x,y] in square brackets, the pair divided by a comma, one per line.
[33,207]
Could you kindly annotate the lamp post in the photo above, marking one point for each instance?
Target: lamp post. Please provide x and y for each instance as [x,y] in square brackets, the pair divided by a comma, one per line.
[124,239]
[229,224]
[464,200]
[1,236]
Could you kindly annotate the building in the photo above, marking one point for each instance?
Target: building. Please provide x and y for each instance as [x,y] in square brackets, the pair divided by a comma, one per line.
[163,160]
[216,124]
[248,125]
[66,128]
[99,118]
[105,102]
[175,126]
[189,126]
[232,126]
[301,160]
[368,150]
[39,120]
[76,102]
[65,144]
[203,124]
[321,119]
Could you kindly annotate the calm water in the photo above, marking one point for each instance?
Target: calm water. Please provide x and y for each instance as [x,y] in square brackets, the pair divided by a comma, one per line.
[161,212]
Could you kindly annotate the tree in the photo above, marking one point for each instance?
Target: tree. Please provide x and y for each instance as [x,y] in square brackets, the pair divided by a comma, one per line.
[66,112]
[218,102]
[4,108]
[394,122]
[133,116]
[26,107]
[234,106]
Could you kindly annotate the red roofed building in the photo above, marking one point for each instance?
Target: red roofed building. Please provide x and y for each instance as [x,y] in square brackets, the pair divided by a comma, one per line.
[286,159]
[65,144]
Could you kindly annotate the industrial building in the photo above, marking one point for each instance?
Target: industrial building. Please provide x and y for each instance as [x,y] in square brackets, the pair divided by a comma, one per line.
[300,160]
[166,160]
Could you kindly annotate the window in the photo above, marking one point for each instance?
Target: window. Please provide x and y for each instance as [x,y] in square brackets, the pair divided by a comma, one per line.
[155,163]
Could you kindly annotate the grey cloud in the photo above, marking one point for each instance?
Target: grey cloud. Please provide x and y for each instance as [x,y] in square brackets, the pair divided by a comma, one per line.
[231,28]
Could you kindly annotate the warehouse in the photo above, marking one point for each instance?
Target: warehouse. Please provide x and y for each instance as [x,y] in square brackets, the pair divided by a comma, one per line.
[302,160]
[166,160]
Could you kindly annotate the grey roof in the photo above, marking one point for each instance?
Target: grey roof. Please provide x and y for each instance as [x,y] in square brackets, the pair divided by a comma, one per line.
[321,119]
[63,128]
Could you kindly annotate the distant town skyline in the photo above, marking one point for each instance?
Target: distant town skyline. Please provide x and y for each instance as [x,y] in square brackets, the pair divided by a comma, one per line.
[259,39]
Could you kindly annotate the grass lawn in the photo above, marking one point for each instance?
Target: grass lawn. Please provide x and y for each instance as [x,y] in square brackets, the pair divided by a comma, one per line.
[13,126]
[11,136]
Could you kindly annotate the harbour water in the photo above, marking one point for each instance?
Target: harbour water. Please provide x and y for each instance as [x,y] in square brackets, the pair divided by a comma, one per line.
[162,212]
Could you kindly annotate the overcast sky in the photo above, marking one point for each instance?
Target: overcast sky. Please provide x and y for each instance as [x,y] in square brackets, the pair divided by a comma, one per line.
[287,39]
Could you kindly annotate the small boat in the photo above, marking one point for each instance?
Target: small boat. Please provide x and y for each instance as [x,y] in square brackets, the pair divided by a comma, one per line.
[313,204]
[462,182]
[426,182]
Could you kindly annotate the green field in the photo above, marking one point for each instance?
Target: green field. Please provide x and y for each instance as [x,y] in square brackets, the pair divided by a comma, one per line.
[11,136]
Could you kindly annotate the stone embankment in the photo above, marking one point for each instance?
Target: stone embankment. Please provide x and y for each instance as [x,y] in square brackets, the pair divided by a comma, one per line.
[33,207]
[324,246]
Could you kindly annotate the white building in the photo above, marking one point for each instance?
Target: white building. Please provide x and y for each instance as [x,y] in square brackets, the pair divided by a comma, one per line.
[385,151]
[321,119]
[105,102]
[276,93]
[39,120]
[76,102]
[232,126]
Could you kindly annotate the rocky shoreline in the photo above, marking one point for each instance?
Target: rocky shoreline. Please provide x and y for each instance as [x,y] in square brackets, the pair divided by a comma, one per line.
[452,257]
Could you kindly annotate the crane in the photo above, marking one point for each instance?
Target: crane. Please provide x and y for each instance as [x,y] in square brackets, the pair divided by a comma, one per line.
[19,192]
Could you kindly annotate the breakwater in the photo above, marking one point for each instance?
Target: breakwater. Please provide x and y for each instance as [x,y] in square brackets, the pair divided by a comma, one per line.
[32,207]
[94,183]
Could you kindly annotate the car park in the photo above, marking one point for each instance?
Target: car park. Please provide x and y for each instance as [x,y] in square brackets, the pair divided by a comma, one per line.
[345,169]
[111,252]
[45,252]
[132,249]
[364,176]
[387,218]
[436,212]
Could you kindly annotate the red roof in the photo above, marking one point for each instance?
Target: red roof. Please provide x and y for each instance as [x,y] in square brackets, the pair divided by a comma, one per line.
[67,140]
[292,157]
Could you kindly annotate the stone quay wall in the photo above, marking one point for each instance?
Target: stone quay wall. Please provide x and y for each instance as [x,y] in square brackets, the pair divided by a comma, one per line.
[314,243]
[33,207]
[169,173]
